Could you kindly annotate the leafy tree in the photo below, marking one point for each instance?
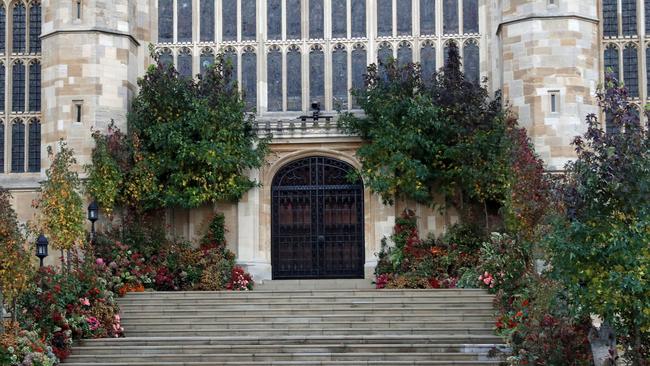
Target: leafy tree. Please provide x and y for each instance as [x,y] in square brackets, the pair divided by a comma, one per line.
[600,246]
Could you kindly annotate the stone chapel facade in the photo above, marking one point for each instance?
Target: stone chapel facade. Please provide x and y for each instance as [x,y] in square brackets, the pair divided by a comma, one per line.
[69,66]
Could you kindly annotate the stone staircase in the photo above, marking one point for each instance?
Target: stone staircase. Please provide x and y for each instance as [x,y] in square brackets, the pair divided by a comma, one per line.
[332,322]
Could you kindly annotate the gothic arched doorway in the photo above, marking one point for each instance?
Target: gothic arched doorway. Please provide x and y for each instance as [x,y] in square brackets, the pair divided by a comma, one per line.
[317,220]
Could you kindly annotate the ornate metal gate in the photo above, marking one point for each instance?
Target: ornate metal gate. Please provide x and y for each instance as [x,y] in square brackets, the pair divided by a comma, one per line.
[317,220]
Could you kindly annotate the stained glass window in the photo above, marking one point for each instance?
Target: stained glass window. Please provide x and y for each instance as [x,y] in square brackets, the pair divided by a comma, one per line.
[450,16]
[185,63]
[206,60]
[385,18]
[35,28]
[249,78]
[404,54]
[274,79]
[294,79]
[18,87]
[446,50]
[340,77]
[647,16]
[165,57]
[248,20]
[647,71]
[384,55]
[611,61]
[34,161]
[404,17]
[229,20]
[165,21]
[35,87]
[2,146]
[230,61]
[359,63]
[207,20]
[628,17]
[19,28]
[294,21]
[471,62]
[3,25]
[610,18]
[339,19]
[631,70]
[2,88]
[470,16]
[427,17]
[18,147]
[316,19]
[274,19]
[428,61]
[184,21]
[358,18]
[317,76]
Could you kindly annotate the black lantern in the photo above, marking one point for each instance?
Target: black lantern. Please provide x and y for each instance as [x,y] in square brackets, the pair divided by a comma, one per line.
[93,215]
[41,248]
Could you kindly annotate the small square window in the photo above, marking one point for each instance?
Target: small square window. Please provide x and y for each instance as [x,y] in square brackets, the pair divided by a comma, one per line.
[554,101]
[77,110]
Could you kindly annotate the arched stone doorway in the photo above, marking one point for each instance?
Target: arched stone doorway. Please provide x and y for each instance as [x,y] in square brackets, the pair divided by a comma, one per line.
[317,220]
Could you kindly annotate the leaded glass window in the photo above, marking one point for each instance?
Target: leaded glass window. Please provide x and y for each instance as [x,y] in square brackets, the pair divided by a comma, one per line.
[34,152]
[404,17]
[294,19]
[184,21]
[470,16]
[611,61]
[230,60]
[647,71]
[294,79]
[2,146]
[471,62]
[35,87]
[316,19]
[18,87]
[35,28]
[427,17]
[610,125]
[610,18]
[428,61]
[229,20]
[384,55]
[450,16]
[274,79]
[647,16]
[248,20]
[249,77]
[358,18]
[446,50]
[385,18]
[317,75]
[628,18]
[19,28]
[206,60]
[18,147]
[207,20]
[165,21]
[340,77]
[3,25]
[166,58]
[274,19]
[359,64]
[404,54]
[339,19]
[631,70]
[185,63]
[2,88]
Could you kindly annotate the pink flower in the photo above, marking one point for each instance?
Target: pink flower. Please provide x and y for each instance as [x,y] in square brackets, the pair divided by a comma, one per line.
[99,262]
[93,323]
[84,301]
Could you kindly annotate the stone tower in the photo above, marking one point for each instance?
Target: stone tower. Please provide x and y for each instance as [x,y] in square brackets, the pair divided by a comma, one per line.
[548,68]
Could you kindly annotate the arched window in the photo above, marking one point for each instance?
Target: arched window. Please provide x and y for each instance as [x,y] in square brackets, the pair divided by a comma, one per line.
[35,87]
[165,57]
[446,50]
[19,28]
[316,13]
[340,77]
[34,152]
[2,87]
[359,64]
[18,147]
[207,20]
[471,62]
[165,21]
[610,18]
[274,79]
[184,21]
[3,29]
[470,16]
[185,63]
[18,87]
[294,79]
[317,75]
[358,18]
[385,53]
[206,60]
[35,28]
[611,61]
[450,17]
[384,18]
[274,19]
[427,17]
[404,17]
[230,60]
[249,77]
[229,20]
[294,19]
[404,54]
[428,61]
[631,70]
[248,20]
[628,17]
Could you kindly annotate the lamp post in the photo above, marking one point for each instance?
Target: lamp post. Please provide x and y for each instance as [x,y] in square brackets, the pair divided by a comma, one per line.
[41,248]
[93,215]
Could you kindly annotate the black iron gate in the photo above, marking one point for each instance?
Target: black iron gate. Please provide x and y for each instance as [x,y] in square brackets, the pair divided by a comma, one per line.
[317,220]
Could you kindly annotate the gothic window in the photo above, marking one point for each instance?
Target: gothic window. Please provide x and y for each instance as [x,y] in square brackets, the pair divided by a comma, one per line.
[450,16]
[427,17]
[3,25]
[339,19]
[385,18]
[359,63]
[470,16]
[316,19]
[611,61]
[18,147]
[249,77]
[165,57]
[274,19]
[230,61]
[2,88]
[206,60]
[274,76]
[165,21]
[229,20]
[317,75]
[358,18]
[647,62]
[185,63]
[207,20]
[647,16]
[446,50]
[294,79]
[610,18]
[184,21]
[628,18]
[631,70]
[340,77]
[19,28]
[35,87]
[2,146]
[385,53]
[471,62]
[35,28]
[428,61]
[34,152]
[18,87]
[404,15]
[404,54]
[249,20]
[294,22]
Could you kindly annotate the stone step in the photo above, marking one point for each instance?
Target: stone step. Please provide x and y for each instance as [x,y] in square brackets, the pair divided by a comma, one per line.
[296,363]
[302,312]
[139,325]
[321,306]
[297,293]
[309,299]
[326,284]
[284,319]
